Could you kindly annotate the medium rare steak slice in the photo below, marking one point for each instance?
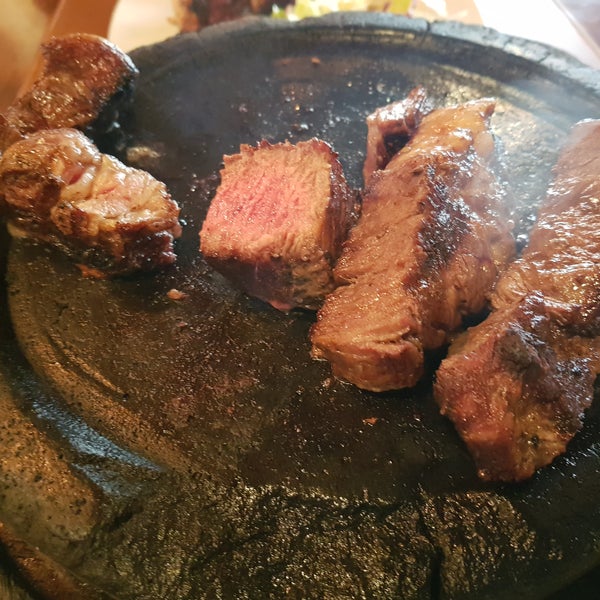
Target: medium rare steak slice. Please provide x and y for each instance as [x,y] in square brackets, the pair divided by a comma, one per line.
[57,187]
[426,251]
[517,385]
[82,73]
[390,127]
[278,220]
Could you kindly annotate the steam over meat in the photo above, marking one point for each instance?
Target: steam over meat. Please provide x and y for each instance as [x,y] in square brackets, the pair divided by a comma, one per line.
[277,222]
[517,385]
[562,259]
[82,73]
[390,127]
[426,251]
[56,186]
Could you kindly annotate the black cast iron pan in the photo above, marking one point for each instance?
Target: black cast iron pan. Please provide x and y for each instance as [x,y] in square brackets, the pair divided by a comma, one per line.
[155,448]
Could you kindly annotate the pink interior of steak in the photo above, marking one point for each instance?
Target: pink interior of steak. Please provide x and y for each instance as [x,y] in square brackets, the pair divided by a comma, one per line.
[277,221]
[425,252]
[270,200]
[57,186]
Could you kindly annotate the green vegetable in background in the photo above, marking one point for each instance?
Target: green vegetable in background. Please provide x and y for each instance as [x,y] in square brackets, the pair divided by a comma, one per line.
[316,8]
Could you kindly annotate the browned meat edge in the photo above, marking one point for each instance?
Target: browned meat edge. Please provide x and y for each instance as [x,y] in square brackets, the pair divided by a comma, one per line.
[278,220]
[516,386]
[83,74]
[56,186]
[425,252]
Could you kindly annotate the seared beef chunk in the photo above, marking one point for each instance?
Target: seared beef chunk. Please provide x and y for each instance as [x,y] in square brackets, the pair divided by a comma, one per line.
[390,127]
[82,73]
[562,259]
[278,220]
[516,386]
[56,186]
[426,252]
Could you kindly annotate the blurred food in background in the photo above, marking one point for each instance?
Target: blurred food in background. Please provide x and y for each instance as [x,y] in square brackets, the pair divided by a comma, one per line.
[192,15]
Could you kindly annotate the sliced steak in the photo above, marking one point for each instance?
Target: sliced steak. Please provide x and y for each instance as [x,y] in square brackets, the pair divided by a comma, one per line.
[516,388]
[390,127]
[426,251]
[517,385]
[562,259]
[82,73]
[278,220]
[57,187]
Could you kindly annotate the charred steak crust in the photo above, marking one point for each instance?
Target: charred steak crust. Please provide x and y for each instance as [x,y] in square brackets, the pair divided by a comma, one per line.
[516,389]
[425,252]
[82,74]
[57,187]
[278,220]
[390,127]
[517,385]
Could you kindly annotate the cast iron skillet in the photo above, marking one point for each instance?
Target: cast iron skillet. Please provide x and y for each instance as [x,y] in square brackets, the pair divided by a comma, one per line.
[191,448]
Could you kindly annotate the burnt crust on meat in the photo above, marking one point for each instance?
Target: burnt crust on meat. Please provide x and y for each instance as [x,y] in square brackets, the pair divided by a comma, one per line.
[55,186]
[426,251]
[84,79]
[516,389]
[277,222]
[517,385]
[390,127]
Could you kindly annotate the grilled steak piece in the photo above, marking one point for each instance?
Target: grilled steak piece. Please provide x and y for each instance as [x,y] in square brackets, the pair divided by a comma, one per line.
[426,251]
[517,385]
[562,259]
[82,73]
[390,127]
[278,220]
[56,186]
